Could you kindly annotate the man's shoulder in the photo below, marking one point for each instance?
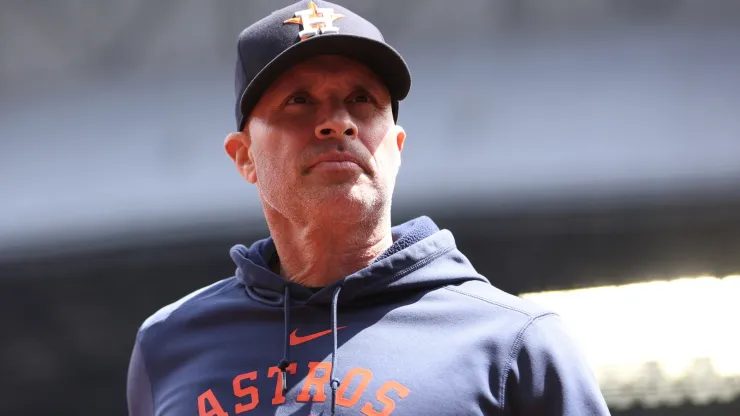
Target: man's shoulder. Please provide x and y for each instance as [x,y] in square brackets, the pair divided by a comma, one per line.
[188,301]
[484,295]
[515,321]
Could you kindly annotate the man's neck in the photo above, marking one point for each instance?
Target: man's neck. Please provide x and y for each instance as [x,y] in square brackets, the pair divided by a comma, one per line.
[317,254]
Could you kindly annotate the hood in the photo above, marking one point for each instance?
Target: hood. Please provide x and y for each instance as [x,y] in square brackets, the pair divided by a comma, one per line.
[417,244]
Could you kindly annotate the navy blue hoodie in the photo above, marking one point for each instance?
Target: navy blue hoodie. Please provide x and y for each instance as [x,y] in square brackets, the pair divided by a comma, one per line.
[417,332]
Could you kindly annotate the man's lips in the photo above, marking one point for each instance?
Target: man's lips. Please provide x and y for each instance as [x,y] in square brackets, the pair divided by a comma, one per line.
[338,160]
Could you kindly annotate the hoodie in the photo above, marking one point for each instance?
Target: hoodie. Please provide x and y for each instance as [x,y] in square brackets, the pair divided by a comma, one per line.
[417,332]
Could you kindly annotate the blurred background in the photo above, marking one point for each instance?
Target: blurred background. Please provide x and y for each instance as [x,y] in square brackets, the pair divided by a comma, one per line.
[585,154]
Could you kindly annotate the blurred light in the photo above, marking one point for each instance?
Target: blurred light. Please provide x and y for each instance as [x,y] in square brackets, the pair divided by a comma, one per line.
[657,342]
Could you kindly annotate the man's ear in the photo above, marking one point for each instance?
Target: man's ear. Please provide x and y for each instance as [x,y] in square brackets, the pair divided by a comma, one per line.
[237,146]
[400,137]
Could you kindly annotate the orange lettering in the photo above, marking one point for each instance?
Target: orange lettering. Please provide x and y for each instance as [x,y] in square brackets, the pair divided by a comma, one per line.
[390,405]
[240,392]
[216,409]
[365,375]
[279,398]
[313,379]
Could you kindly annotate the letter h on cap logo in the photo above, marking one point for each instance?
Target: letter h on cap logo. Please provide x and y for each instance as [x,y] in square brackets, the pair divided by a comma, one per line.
[315,20]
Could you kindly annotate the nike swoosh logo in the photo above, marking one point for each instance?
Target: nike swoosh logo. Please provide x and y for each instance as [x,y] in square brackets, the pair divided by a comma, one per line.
[297,340]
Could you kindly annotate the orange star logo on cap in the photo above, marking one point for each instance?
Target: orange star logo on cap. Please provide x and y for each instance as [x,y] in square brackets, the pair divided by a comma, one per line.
[315,20]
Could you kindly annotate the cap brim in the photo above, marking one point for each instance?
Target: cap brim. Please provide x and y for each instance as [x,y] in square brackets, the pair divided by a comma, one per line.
[378,56]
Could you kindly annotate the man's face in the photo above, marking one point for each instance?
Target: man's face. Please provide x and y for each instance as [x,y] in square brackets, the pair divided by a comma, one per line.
[322,139]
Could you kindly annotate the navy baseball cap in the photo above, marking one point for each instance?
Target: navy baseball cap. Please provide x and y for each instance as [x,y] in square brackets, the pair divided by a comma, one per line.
[306,29]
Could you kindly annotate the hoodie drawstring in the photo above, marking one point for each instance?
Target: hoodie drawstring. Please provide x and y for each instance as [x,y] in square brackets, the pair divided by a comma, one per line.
[334,381]
[285,362]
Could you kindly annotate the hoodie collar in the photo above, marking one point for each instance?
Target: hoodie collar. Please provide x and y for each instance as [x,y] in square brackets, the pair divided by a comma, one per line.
[416,244]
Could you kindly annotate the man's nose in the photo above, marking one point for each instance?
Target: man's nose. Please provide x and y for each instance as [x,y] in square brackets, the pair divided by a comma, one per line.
[337,125]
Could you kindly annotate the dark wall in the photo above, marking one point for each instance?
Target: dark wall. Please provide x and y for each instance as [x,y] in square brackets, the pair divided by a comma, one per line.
[534,250]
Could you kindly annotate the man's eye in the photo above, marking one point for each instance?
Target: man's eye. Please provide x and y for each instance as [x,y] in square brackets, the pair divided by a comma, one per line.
[298,99]
[362,98]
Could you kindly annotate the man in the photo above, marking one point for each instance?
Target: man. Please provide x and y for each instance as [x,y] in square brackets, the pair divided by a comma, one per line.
[338,312]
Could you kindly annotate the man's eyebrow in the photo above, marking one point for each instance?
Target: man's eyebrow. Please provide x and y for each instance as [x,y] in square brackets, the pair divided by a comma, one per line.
[288,90]
[368,86]
[304,86]
[297,89]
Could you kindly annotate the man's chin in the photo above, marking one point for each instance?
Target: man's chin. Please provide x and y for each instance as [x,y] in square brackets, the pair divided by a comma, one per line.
[345,198]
